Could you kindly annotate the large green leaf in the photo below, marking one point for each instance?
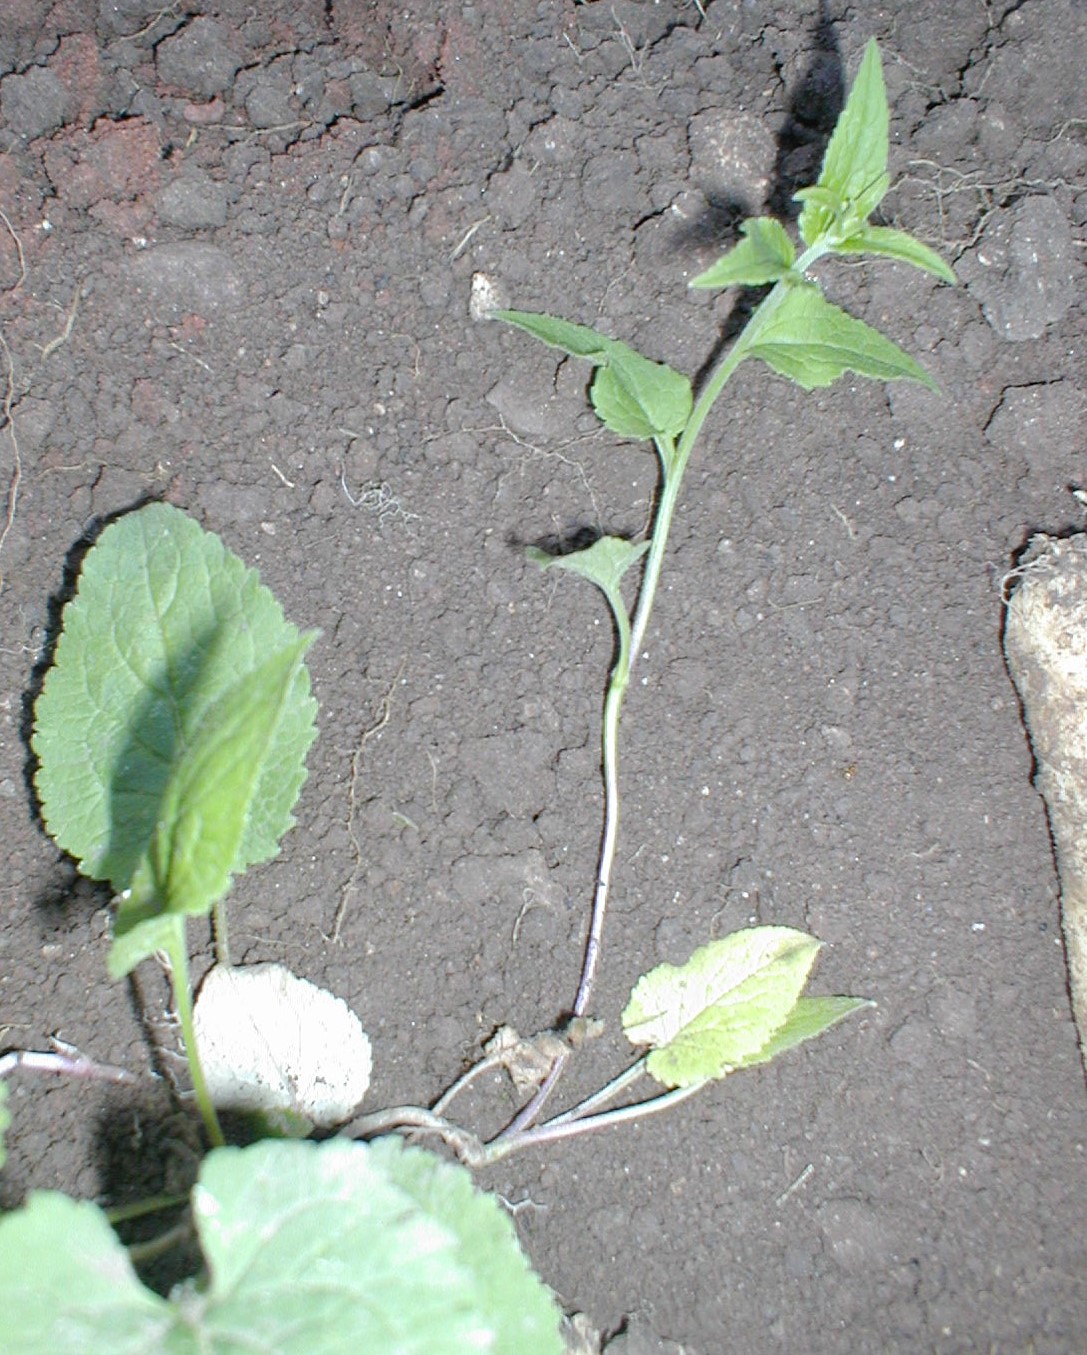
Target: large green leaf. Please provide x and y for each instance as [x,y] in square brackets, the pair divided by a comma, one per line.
[712,1015]
[813,343]
[69,1286]
[764,255]
[165,621]
[311,1249]
[632,395]
[853,179]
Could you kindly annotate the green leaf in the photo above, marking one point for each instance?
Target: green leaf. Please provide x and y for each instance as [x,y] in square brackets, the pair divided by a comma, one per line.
[579,341]
[633,396]
[140,931]
[812,342]
[206,804]
[854,174]
[810,1017]
[603,563]
[312,1249]
[894,244]
[164,622]
[487,1245]
[69,1286]
[709,1016]
[765,255]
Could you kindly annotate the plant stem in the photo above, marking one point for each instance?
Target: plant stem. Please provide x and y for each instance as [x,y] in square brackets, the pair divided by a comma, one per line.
[674,458]
[613,705]
[177,953]
[563,1128]
[606,1093]
[464,1143]
[221,932]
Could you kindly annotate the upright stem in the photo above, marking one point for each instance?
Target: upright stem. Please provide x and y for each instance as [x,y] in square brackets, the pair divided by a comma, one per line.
[613,705]
[178,955]
[674,457]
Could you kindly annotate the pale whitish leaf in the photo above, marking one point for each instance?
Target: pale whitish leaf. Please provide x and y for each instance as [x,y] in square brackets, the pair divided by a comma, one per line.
[704,1018]
[270,1041]
[164,622]
[765,255]
[854,167]
[311,1249]
[895,244]
[813,343]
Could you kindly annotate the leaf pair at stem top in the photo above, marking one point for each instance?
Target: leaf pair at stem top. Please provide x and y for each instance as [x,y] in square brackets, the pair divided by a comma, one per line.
[796,331]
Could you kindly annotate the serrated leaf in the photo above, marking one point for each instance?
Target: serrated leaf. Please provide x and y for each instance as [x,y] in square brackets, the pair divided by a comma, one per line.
[163,623]
[634,396]
[810,1017]
[705,1018]
[312,1249]
[854,168]
[813,343]
[650,399]
[488,1245]
[895,244]
[765,255]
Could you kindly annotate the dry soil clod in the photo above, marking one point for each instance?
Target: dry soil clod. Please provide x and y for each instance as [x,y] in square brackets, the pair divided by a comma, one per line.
[1045,644]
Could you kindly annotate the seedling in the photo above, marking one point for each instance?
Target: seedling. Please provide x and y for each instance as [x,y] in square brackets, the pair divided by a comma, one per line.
[171,735]
[738,1001]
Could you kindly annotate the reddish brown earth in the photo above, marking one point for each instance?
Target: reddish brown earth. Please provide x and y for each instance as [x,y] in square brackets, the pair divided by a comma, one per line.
[235,268]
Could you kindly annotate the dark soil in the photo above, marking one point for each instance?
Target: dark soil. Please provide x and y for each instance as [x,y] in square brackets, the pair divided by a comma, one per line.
[236,262]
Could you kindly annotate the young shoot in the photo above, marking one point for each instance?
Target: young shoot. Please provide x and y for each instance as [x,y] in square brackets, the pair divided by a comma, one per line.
[753,980]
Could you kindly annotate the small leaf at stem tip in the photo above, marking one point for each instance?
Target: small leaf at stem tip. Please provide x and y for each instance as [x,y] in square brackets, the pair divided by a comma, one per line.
[705,1018]
[855,164]
[764,255]
[894,244]
[813,343]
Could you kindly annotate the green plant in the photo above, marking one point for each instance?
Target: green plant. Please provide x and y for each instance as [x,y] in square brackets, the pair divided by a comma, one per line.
[751,982]
[171,735]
